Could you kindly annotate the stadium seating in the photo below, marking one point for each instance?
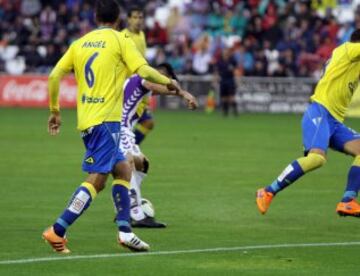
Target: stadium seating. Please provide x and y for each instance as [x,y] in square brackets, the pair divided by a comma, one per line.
[288,38]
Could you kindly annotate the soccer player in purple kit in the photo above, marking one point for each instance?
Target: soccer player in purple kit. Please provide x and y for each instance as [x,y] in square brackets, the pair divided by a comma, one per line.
[135,90]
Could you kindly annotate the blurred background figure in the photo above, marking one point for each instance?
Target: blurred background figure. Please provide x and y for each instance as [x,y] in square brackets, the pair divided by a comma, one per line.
[225,68]
[274,38]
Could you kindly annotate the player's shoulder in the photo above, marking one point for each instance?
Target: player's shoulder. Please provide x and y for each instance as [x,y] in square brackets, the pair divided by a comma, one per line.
[125,33]
[89,36]
[341,51]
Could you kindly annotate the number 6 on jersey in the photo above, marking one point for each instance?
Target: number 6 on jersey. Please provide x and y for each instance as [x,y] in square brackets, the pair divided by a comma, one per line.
[89,74]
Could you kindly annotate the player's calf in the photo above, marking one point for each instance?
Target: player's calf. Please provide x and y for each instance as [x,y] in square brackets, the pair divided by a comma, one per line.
[290,174]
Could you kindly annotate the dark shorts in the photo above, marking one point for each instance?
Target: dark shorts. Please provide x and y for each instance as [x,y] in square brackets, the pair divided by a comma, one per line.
[102,148]
[227,88]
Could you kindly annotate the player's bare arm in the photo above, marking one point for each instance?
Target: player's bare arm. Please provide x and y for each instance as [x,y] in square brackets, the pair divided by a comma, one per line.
[159,89]
[54,121]
[190,100]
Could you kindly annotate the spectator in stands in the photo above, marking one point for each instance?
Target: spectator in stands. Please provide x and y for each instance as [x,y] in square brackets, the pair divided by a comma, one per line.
[345,32]
[30,7]
[244,58]
[202,58]
[310,29]
[47,23]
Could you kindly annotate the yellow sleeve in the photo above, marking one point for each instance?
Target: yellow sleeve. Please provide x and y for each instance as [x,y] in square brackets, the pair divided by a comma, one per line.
[353,51]
[64,66]
[131,56]
[152,75]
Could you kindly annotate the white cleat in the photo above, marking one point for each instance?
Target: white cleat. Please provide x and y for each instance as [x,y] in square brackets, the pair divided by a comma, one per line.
[131,241]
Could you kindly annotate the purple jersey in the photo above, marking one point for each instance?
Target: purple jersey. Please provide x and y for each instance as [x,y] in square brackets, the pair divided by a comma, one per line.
[134,93]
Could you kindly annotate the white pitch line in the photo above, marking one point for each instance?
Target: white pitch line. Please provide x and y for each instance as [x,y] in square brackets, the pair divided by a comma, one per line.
[175,252]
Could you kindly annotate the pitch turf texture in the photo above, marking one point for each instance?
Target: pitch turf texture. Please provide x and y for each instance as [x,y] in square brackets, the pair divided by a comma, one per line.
[204,173]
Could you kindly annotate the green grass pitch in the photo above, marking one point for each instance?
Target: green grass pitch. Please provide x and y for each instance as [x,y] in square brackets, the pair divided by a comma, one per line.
[203,176]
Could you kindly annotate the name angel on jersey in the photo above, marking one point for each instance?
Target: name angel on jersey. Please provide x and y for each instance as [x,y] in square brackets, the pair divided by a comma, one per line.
[94,44]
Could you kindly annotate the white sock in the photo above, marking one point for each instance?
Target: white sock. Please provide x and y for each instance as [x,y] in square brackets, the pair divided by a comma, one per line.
[135,187]
[139,177]
[136,212]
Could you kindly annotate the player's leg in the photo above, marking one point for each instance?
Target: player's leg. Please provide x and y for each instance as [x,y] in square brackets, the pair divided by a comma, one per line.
[139,219]
[232,98]
[316,136]
[130,149]
[224,98]
[120,195]
[136,212]
[233,104]
[145,124]
[121,199]
[80,201]
[99,146]
[348,141]
[142,166]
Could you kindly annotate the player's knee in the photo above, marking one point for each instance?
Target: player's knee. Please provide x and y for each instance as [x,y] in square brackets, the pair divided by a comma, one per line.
[99,186]
[122,170]
[149,124]
[311,162]
[146,165]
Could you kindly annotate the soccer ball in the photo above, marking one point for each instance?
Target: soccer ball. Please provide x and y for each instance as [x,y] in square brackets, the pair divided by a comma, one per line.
[147,207]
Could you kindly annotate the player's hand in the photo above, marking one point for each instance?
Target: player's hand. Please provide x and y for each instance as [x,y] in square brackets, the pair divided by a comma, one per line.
[190,100]
[174,86]
[54,123]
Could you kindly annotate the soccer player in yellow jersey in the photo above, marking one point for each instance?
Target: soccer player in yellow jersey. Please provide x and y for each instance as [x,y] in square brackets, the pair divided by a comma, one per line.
[323,127]
[101,60]
[134,29]
[135,21]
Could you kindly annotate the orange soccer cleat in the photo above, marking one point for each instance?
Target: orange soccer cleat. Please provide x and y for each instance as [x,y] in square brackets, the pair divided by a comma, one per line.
[57,243]
[263,200]
[351,208]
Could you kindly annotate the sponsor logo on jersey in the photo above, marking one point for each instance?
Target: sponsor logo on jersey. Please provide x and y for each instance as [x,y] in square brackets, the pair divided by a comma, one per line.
[92,100]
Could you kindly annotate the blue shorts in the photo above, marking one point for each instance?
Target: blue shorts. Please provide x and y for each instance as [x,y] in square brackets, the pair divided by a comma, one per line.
[321,130]
[102,148]
[145,116]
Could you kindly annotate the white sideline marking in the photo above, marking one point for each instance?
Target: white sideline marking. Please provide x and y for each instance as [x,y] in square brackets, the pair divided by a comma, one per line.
[175,252]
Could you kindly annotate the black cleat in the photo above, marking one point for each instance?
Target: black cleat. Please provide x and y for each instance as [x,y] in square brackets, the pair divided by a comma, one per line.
[147,222]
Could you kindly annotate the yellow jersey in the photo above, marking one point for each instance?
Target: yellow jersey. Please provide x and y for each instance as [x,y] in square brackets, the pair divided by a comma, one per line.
[139,40]
[101,60]
[340,80]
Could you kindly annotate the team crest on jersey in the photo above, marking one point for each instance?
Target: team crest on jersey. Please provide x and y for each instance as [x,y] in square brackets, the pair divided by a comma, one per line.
[90,160]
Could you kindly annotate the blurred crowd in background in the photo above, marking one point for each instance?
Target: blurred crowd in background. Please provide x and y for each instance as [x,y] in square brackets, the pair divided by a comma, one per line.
[263,37]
